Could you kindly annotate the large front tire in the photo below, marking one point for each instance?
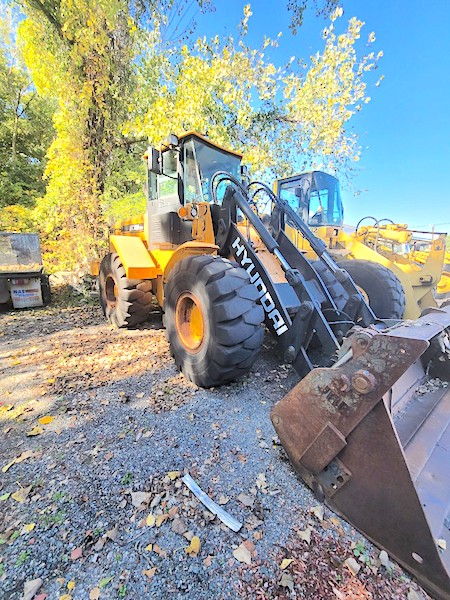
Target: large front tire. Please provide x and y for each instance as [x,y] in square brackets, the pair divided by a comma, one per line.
[212,320]
[381,287]
[125,302]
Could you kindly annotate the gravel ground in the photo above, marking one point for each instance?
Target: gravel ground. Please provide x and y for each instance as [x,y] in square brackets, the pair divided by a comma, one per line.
[122,420]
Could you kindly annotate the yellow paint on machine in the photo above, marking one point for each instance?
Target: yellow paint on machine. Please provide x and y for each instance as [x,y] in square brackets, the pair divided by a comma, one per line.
[137,262]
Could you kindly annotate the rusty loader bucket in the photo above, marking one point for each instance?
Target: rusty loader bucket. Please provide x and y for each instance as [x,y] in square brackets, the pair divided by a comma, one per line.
[377,452]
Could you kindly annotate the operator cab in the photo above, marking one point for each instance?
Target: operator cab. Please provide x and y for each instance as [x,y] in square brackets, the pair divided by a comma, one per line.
[179,174]
[315,196]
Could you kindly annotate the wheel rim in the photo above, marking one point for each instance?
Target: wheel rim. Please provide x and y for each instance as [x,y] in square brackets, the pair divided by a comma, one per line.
[189,322]
[111,291]
[363,293]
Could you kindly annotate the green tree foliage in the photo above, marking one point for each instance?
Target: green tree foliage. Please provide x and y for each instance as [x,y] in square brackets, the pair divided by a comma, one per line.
[25,133]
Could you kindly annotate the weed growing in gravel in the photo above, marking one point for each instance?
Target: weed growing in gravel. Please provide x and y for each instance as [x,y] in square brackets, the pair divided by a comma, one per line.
[126,479]
[122,590]
[2,569]
[57,496]
[22,558]
[361,552]
[56,518]
[14,536]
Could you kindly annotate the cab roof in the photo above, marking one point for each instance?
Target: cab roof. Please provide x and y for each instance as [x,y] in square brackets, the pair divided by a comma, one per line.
[184,137]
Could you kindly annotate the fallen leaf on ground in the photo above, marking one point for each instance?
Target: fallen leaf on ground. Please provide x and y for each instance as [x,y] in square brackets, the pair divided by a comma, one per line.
[100,543]
[160,519]
[352,565]
[305,535]
[94,594]
[5,496]
[178,526]
[173,475]
[35,431]
[207,561]
[27,528]
[243,554]
[46,420]
[261,482]
[138,498]
[223,500]
[287,581]
[246,500]
[285,563]
[76,553]
[71,585]
[442,544]
[149,548]
[22,494]
[113,533]
[194,547]
[65,597]
[149,572]
[162,553]
[317,511]
[31,587]
[150,521]
[104,582]
[18,459]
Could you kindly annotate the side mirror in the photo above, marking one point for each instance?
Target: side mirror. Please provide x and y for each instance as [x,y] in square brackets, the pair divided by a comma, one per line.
[154,161]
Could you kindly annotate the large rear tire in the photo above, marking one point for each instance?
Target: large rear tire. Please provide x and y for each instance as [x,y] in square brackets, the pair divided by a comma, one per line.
[125,302]
[212,319]
[381,287]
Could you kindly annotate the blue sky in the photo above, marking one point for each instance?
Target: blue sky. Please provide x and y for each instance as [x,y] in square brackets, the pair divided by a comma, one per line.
[405,129]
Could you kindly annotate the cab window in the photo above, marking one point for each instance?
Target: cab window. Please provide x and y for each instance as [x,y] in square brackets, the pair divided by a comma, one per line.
[168,181]
[201,162]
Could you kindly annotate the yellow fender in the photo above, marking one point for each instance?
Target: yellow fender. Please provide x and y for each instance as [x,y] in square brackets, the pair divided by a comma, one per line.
[194,248]
[135,257]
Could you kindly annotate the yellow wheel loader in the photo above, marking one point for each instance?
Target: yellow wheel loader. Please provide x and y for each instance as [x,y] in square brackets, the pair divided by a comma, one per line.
[395,284]
[419,253]
[352,426]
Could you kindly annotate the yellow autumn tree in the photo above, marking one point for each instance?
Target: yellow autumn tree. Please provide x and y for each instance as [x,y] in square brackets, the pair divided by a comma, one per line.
[120,81]
[282,119]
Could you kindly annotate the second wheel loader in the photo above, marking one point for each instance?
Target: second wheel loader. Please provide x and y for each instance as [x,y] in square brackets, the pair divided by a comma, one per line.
[352,426]
[396,283]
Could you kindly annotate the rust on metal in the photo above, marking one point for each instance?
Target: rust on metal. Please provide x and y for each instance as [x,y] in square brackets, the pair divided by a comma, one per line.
[380,458]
